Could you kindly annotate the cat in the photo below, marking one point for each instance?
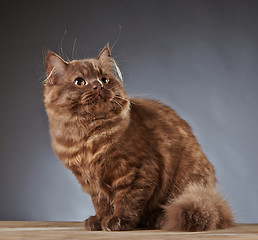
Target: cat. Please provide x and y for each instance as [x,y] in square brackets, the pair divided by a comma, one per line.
[138,160]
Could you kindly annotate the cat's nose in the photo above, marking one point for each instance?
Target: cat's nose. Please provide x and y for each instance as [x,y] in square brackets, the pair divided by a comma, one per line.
[97,85]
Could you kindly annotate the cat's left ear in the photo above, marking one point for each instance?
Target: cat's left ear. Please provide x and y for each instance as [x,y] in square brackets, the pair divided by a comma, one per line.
[106,60]
[105,54]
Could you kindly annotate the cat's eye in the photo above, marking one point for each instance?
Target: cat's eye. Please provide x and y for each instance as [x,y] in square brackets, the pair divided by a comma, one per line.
[105,80]
[80,82]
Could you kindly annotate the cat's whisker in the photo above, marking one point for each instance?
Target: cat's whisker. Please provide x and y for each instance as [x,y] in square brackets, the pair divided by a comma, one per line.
[88,111]
[117,38]
[119,55]
[61,47]
[88,96]
[91,102]
[114,88]
[74,43]
[117,103]
[116,96]
[137,95]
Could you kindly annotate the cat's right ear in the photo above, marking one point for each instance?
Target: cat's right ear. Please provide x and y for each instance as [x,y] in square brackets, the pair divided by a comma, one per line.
[55,67]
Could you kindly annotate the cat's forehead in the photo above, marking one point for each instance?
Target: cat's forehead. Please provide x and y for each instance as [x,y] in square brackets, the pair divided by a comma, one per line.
[86,67]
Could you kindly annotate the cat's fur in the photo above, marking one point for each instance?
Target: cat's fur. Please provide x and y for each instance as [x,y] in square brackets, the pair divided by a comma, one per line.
[139,161]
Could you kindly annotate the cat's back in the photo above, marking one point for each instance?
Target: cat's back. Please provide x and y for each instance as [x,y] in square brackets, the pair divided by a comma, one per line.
[156,115]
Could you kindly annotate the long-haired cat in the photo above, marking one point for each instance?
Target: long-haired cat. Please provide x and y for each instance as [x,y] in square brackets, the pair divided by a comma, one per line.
[138,160]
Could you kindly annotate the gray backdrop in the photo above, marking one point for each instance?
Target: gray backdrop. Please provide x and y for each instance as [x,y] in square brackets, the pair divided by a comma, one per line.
[199,57]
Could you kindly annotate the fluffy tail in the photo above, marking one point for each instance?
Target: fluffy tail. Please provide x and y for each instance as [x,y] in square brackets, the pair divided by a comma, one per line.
[198,208]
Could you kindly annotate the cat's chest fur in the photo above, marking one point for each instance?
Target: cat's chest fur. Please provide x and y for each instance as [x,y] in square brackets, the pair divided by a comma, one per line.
[76,156]
[83,150]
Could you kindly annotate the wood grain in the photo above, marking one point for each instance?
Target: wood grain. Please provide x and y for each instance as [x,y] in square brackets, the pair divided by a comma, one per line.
[74,230]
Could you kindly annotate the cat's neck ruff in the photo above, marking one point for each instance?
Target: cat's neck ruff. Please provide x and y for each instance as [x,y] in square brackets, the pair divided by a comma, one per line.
[80,128]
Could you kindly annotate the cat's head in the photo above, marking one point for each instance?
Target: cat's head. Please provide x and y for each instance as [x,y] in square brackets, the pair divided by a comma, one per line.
[87,88]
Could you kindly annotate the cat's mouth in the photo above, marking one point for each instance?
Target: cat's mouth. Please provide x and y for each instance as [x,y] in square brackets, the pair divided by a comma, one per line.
[96,99]
[100,96]
[101,103]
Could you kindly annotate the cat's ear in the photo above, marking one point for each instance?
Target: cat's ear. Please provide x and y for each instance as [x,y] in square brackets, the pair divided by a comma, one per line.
[55,67]
[105,54]
[107,61]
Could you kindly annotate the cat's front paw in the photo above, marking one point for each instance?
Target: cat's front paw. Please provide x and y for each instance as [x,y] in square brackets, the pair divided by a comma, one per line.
[92,224]
[113,223]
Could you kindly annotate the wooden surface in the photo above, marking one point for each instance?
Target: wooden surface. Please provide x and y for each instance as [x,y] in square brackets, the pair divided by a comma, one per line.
[75,230]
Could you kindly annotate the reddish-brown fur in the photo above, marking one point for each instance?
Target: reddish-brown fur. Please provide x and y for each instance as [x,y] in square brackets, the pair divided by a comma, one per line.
[139,161]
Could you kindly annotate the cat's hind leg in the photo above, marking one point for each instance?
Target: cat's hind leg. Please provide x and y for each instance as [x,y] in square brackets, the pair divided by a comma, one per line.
[129,204]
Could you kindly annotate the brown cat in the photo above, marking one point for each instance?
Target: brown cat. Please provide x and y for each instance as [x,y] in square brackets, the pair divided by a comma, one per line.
[139,161]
